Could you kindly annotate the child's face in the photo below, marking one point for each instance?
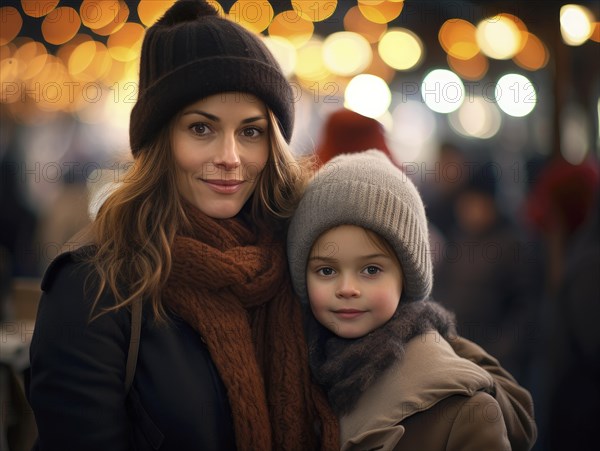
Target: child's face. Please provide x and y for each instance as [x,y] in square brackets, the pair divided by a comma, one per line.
[354,285]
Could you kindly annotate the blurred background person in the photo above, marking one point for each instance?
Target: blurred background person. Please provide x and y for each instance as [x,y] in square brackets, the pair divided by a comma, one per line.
[482,276]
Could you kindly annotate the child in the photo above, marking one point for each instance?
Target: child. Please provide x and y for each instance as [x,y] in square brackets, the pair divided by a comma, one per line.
[359,255]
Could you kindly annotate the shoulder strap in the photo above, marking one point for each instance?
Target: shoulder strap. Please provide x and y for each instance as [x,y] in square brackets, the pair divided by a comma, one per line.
[134,342]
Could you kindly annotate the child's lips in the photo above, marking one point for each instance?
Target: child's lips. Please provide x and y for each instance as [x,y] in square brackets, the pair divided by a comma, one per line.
[348,313]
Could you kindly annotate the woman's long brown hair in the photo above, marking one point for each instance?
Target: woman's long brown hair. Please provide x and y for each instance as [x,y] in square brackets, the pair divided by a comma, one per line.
[135,227]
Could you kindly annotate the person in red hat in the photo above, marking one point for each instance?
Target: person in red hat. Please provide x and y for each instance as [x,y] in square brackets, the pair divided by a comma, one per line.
[346,131]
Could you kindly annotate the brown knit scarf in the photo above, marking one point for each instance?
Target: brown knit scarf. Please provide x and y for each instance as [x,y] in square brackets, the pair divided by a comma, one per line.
[231,285]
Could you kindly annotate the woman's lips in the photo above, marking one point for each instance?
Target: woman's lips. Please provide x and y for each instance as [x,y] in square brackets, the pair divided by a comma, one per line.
[348,313]
[224,186]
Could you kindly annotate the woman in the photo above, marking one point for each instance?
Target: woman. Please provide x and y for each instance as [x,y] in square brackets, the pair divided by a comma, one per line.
[195,231]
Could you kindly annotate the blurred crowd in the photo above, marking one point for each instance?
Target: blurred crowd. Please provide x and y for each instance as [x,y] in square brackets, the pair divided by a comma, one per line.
[522,279]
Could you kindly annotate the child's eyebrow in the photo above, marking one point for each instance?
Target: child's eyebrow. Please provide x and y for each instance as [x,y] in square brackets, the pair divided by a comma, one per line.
[362,257]
[324,259]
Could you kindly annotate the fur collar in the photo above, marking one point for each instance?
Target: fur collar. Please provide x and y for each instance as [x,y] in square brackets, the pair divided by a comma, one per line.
[346,368]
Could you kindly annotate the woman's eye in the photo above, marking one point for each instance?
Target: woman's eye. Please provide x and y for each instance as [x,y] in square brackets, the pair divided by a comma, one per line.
[252,132]
[325,271]
[199,129]
[372,270]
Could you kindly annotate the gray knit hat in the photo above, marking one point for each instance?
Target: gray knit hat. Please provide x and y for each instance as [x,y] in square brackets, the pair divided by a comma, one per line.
[364,189]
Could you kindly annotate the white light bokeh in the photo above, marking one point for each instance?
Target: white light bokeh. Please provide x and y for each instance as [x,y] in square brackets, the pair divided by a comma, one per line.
[574,134]
[443,91]
[498,37]
[515,95]
[413,128]
[284,52]
[368,95]
[476,118]
[576,24]
[346,53]
[401,49]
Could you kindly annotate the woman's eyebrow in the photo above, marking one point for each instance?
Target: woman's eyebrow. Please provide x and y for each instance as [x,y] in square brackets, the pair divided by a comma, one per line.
[214,118]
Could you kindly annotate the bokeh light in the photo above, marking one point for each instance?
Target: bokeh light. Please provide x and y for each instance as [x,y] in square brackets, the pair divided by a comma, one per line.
[346,53]
[575,130]
[117,23]
[368,95]
[356,22]
[310,65]
[291,26]
[414,126]
[499,37]
[379,67]
[314,11]
[476,118]
[381,12]
[61,25]
[533,55]
[471,69]
[95,14]
[576,24]
[126,44]
[254,16]
[515,95]
[38,8]
[457,38]
[401,49]
[442,91]
[284,52]
[11,22]
[149,11]
[34,56]
[595,36]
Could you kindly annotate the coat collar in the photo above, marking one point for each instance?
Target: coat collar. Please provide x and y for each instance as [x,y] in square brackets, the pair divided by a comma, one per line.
[429,372]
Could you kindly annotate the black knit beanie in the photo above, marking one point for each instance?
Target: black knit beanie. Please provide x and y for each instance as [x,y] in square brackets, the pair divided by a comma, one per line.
[192,53]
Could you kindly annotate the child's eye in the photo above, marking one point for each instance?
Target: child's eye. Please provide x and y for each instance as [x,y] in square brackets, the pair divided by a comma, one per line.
[200,129]
[372,270]
[325,271]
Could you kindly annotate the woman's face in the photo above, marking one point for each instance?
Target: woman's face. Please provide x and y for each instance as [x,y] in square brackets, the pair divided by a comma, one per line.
[220,146]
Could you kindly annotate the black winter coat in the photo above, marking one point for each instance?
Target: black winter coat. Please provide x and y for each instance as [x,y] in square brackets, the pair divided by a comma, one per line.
[76,388]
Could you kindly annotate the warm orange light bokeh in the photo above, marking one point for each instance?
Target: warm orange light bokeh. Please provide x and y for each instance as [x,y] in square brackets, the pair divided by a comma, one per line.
[38,8]
[533,55]
[356,22]
[61,25]
[314,11]
[11,23]
[117,23]
[292,27]
[95,14]
[471,69]
[457,38]
[382,12]
[254,16]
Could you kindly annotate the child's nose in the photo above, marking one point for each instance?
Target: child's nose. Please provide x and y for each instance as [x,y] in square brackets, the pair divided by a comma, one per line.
[347,288]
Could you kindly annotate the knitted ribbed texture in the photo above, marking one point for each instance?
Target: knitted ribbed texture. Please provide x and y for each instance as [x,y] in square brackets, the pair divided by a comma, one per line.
[230,284]
[192,53]
[364,189]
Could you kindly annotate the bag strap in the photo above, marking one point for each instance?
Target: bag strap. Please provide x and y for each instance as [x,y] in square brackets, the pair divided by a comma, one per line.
[134,342]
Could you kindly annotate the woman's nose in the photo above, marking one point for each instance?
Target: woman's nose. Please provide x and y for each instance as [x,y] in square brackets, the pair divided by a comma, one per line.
[228,155]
